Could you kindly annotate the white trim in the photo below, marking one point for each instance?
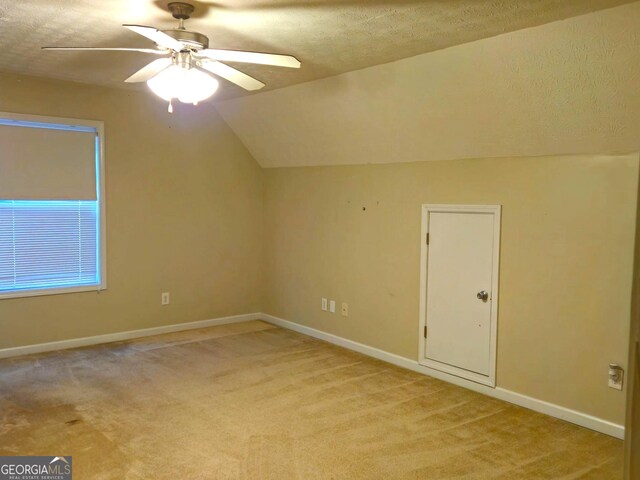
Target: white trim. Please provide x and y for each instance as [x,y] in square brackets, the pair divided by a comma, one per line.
[489,381]
[42,292]
[119,336]
[496,211]
[573,416]
[66,121]
[102,205]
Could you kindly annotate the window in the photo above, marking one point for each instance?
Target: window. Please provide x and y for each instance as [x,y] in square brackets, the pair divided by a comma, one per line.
[51,206]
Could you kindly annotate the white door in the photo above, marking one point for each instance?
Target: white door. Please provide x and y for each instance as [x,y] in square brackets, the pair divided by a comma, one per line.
[461,285]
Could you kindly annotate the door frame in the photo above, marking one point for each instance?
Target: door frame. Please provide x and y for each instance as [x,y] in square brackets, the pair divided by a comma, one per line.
[496,210]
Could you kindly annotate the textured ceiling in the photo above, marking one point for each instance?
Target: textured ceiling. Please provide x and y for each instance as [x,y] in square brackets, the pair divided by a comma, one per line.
[328,36]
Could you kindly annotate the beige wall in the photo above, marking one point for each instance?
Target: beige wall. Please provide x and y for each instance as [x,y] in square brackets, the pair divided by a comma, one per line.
[566,261]
[183,215]
[568,87]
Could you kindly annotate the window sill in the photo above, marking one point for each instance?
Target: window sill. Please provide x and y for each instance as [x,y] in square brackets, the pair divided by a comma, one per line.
[52,291]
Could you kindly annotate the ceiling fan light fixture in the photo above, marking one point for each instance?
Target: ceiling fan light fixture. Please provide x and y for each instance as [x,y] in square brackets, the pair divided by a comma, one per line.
[188,85]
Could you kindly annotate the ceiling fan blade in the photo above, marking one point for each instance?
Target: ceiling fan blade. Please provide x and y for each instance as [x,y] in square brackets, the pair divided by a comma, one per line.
[235,76]
[251,57]
[149,71]
[108,49]
[160,38]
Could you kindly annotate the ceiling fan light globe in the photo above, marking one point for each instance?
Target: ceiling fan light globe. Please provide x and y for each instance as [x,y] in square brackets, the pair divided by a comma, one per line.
[167,84]
[187,85]
[197,86]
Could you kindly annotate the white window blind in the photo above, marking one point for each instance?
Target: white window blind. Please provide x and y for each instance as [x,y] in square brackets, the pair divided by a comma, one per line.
[48,244]
[40,161]
[51,232]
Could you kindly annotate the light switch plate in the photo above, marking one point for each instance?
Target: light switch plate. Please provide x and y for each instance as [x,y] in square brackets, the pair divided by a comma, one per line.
[323,305]
[616,376]
[332,306]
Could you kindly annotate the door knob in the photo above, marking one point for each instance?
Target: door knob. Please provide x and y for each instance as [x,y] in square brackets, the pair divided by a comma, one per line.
[482,295]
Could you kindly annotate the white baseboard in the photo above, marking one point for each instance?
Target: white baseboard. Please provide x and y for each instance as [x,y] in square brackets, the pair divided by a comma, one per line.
[541,406]
[119,336]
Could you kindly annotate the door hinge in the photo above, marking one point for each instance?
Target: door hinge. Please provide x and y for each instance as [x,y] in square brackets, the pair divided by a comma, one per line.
[427,239]
[425,331]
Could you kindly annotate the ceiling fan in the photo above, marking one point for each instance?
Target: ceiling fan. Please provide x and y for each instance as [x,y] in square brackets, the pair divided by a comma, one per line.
[183,72]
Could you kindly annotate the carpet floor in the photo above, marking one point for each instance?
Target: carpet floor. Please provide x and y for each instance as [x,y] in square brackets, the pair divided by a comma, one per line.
[253,401]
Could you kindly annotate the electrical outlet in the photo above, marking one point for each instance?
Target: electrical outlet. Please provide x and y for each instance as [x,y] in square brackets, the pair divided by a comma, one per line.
[616,375]
[324,304]
[164,299]
[345,309]
[332,306]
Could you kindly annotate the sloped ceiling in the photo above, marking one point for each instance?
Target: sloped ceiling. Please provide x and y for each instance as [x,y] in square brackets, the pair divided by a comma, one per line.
[328,36]
[569,87]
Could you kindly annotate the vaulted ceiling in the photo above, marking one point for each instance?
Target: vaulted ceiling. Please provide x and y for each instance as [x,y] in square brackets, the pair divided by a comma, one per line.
[563,88]
[328,36]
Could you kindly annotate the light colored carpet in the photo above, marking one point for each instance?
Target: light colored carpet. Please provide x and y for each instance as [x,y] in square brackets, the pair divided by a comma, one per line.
[253,401]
